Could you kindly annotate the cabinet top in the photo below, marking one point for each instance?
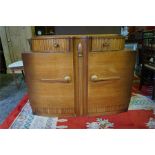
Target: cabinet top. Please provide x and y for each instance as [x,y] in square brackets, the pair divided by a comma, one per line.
[78,36]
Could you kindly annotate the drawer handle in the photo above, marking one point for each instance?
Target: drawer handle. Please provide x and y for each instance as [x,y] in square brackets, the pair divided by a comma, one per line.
[106,44]
[66,79]
[95,78]
[56,45]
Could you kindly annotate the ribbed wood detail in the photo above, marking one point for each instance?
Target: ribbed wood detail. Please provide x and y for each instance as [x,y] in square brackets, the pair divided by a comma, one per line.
[49,111]
[50,45]
[101,108]
[99,44]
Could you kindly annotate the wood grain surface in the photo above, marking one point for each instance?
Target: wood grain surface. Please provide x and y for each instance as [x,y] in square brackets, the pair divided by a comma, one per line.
[99,73]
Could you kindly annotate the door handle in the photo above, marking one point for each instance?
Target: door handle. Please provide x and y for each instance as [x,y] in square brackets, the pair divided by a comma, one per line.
[95,78]
[80,52]
[66,79]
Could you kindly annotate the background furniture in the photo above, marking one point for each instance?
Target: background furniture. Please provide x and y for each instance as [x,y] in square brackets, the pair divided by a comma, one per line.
[17,67]
[71,30]
[147,56]
[76,75]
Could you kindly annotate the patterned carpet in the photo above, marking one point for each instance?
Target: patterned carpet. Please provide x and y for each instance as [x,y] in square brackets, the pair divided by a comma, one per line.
[140,106]
[22,117]
[26,120]
[9,94]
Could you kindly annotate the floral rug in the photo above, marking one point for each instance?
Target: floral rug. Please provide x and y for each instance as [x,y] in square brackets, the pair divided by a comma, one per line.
[26,120]
[141,115]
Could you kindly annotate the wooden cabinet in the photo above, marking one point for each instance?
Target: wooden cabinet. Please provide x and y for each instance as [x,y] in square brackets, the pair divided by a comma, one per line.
[79,75]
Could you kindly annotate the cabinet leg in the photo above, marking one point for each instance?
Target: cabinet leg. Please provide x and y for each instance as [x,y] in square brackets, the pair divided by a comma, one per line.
[23,75]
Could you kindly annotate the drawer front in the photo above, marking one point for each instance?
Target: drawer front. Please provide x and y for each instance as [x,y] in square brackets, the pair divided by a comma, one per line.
[51,85]
[109,81]
[99,44]
[51,45]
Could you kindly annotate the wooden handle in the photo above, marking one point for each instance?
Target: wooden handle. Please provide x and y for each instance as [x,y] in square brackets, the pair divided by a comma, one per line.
[80,53]
[95,78]
[106,44]
[66,79]
[56,45]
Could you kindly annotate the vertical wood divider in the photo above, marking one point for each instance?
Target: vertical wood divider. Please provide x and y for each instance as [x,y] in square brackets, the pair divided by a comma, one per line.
[76,77]
[81,76]
[85,74]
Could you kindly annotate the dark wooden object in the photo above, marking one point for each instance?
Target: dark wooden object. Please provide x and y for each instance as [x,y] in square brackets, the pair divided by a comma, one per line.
[148,60]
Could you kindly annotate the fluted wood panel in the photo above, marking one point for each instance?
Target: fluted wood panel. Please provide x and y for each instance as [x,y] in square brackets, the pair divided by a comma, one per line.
[53,111]
[100,44]
[50,45]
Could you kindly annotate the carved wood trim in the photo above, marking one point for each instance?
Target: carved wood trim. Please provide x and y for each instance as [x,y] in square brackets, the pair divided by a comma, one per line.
[47,111]
[85,75]
[81,75]
[76,77]
[70,45]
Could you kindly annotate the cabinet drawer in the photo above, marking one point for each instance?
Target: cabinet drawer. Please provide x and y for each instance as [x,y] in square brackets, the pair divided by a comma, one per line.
[99,44]
[50,45]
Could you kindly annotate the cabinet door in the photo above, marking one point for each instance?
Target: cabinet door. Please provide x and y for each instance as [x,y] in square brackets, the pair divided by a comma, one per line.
[50,81]
[110,76]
